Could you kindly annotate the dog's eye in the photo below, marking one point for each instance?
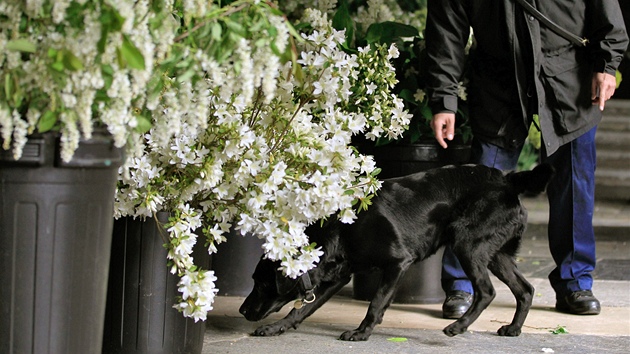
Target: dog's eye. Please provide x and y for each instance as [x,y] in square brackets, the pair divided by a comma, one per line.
[262,286]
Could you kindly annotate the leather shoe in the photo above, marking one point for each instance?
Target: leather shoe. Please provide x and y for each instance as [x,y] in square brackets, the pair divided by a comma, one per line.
[581,302]
[456,304]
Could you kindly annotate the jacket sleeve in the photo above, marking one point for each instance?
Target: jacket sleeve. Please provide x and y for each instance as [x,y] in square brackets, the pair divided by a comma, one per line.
[446,34]
[607,35]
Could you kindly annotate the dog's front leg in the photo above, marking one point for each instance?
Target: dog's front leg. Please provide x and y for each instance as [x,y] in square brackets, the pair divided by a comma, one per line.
[323,293]
[381,301]
[484,293]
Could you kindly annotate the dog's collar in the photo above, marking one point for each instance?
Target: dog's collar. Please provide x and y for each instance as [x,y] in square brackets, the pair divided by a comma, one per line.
[309,291]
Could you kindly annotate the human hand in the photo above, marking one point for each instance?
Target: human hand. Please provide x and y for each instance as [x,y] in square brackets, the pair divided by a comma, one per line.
[443,125]
[602,88]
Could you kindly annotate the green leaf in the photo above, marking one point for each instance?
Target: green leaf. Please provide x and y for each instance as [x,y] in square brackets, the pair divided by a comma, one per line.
[311,246]
[284,57]
[397,339]
[186,76]
[111,19]
[74,15]
[365,203]
[217,31]
[71,61]
[144,124]
[261,42]
[258,25]
[559,330]
[58,66]
[298,73]
[426,112]
[342,20]
[534,135]
[47,121]
[8,85]
[107,73]
[236,28]
[388,32]
[102,42]
[12,91]
[294,32]
[374,33]
[21,45]
[131,54]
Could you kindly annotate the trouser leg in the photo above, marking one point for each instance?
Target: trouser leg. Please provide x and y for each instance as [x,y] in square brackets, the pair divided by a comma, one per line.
[571,194]
[453,276]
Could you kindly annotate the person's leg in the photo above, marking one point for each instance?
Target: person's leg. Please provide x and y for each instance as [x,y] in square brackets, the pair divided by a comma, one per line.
[571,236]
[454,281]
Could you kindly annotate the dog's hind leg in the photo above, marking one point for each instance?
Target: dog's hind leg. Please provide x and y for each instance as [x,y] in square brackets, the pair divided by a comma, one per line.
[504,267]
[484,292]
[323,293]
[380,302]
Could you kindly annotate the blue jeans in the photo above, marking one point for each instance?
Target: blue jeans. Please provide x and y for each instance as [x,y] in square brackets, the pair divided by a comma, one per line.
[571,203]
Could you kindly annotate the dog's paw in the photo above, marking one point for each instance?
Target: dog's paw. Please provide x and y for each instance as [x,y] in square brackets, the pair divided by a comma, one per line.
[509,331]
[454,329]
[274,329]
[354,336]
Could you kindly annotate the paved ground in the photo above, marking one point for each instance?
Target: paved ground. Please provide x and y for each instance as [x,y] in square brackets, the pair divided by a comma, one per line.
[419,326]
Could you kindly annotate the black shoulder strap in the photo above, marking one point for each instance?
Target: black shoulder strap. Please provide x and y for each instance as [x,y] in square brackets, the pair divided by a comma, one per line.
[580,42]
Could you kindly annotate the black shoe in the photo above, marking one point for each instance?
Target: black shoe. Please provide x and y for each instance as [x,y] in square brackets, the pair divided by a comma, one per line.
[581,302]
[456,304]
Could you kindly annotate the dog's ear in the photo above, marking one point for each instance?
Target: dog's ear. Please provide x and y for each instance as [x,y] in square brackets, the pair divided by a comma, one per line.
[284,284]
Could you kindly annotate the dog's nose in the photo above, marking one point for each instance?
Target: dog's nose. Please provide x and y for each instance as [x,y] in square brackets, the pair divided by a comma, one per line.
[243,310]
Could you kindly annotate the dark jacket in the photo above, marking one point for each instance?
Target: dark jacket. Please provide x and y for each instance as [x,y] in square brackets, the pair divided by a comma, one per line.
[519,67]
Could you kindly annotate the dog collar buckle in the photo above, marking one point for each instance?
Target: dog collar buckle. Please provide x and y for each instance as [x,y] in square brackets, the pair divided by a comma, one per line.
[310,296]
[309,292]
[299,303]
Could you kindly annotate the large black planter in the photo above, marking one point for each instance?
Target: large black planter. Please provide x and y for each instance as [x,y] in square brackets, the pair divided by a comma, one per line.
[55,232]
[140,316]
[422,282]
[400,160]
[235,262]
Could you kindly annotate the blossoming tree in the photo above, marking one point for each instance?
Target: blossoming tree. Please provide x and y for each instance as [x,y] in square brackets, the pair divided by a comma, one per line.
[261,142]
[232,118]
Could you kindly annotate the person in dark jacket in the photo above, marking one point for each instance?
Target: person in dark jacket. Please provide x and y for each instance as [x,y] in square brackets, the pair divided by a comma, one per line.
[518,68]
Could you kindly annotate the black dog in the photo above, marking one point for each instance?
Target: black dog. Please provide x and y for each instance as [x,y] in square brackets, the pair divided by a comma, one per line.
[474,209]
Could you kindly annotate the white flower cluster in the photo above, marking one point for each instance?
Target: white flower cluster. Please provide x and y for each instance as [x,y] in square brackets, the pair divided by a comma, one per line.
[262,147]
[376,11]
[197,288]
[67,62]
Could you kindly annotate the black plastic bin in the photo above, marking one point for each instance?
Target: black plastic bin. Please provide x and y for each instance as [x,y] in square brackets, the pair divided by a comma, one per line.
[235,262]
[55,232]
[140,317]
[421,284]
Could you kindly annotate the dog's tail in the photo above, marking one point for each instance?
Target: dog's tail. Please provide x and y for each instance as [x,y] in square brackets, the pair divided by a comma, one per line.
[531,182]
